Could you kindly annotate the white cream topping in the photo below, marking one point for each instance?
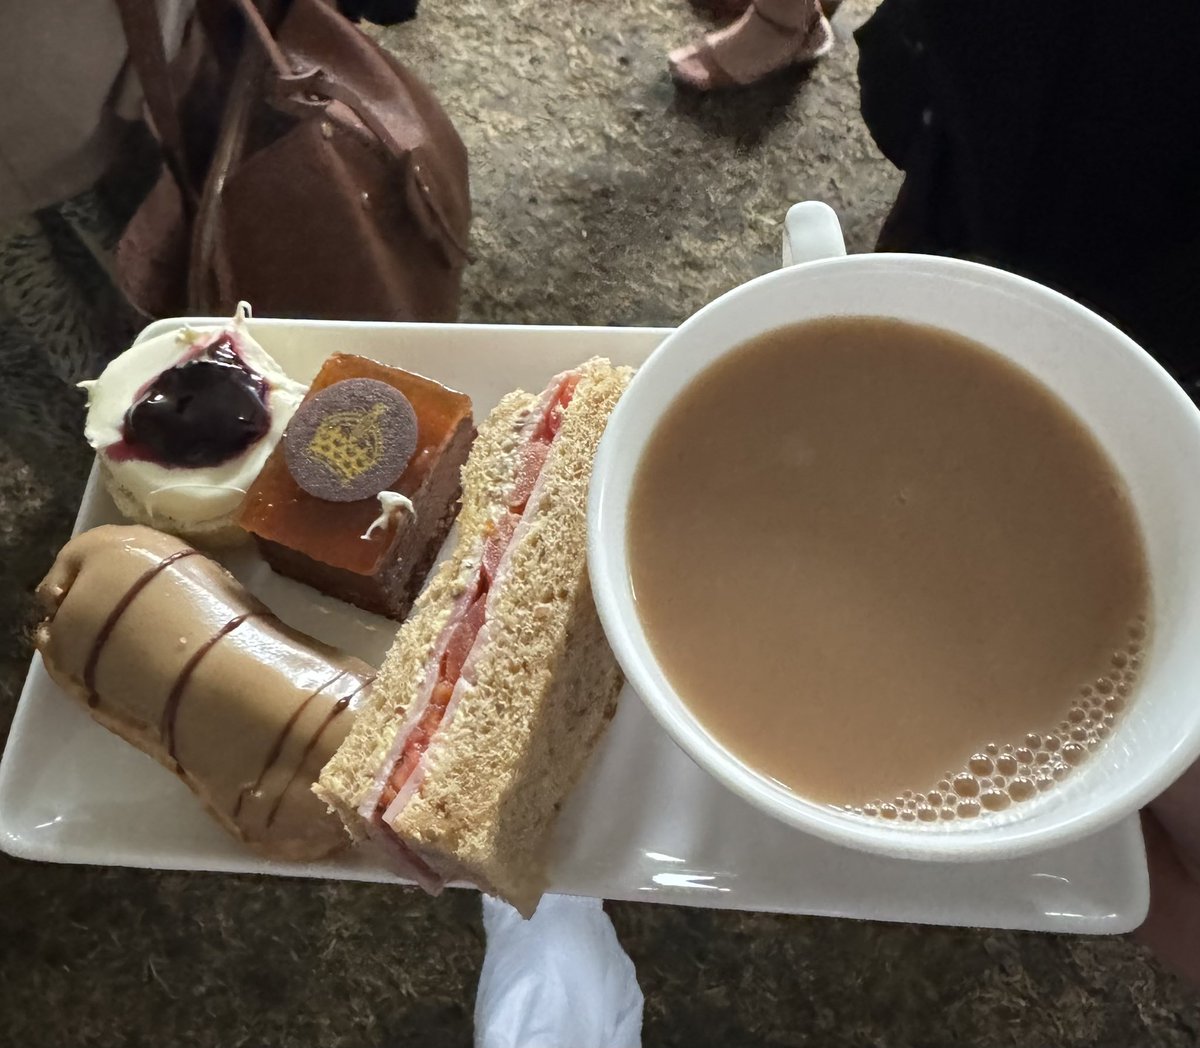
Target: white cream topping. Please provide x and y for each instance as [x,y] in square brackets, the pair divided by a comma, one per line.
[188,495]
[391,504]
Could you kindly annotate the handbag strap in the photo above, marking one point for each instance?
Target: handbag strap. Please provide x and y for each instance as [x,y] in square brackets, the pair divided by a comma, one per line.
[210,272]
[148,55]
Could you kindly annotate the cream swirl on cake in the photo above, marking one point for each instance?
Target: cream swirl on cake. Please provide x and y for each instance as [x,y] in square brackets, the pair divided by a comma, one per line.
[183,423]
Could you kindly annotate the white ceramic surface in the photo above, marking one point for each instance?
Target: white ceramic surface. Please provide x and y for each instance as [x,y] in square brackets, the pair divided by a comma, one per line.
[1148,426]
[645,824]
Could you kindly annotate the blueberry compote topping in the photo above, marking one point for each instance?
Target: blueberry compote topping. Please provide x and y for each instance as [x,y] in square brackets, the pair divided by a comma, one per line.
[202,412]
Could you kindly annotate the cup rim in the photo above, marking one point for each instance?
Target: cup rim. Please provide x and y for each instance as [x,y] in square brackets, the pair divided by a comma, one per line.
[608,567]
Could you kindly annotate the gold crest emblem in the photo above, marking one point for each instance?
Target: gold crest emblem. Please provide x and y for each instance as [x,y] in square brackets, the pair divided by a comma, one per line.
[349,442]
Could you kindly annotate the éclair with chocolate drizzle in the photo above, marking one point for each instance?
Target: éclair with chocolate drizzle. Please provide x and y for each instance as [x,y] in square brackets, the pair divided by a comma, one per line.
[170,652]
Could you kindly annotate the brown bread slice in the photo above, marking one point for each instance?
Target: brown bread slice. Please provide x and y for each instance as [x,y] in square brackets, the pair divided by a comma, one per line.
[546,684]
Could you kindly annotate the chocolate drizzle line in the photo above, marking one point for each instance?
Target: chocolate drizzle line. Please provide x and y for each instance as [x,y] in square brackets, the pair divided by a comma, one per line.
[277,747]
[338,708]
[171,709]
[114,616]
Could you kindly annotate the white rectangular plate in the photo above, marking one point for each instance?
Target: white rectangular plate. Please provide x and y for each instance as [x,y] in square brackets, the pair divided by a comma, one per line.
[645,823]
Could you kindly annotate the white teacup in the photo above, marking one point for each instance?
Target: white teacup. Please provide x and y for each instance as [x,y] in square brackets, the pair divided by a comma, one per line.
[1149,428]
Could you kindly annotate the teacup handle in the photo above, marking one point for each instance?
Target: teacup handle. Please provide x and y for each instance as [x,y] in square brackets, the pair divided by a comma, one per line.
[811,231]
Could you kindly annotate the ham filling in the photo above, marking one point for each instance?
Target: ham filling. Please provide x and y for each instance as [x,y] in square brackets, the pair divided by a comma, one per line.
[453,655]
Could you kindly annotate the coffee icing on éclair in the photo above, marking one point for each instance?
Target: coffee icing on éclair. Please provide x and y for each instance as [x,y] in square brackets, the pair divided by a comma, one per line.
[184,494]
[168,650]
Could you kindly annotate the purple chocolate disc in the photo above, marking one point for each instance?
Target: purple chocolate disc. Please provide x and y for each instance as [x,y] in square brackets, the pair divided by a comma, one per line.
[351,441]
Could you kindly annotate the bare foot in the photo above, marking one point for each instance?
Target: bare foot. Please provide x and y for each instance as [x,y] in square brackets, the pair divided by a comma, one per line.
[757,44]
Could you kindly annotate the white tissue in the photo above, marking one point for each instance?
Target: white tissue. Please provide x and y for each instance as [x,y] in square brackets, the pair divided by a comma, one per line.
[558,980]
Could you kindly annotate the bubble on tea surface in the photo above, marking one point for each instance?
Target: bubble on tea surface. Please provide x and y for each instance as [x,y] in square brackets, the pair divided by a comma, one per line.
[1074,753]
[1021,789]
[946,814]
[1085,690]
[1137,631]
[944,784]
[995,800]
[1040,758]
[967,809]
[908,815]
[992,749]
[1033,740]
[888,811]
[966,785]
[1120,660]
[1043,782]
[1051,744]
[1123,689]
[1024,755]
[927,814]
[870,810]
[1076,715]
[1007,764]
[981,764]
[934,799]
[1104,685]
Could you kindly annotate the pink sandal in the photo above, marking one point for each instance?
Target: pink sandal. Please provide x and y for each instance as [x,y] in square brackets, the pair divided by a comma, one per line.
[699,66]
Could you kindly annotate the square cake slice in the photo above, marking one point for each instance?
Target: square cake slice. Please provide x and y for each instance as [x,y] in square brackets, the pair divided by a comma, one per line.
[359,495]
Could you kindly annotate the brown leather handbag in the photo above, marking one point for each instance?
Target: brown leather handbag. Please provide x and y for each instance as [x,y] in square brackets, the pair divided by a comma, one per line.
[331,185]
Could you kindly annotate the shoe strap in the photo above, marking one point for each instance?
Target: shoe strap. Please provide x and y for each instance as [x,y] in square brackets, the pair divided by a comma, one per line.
[774,23]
